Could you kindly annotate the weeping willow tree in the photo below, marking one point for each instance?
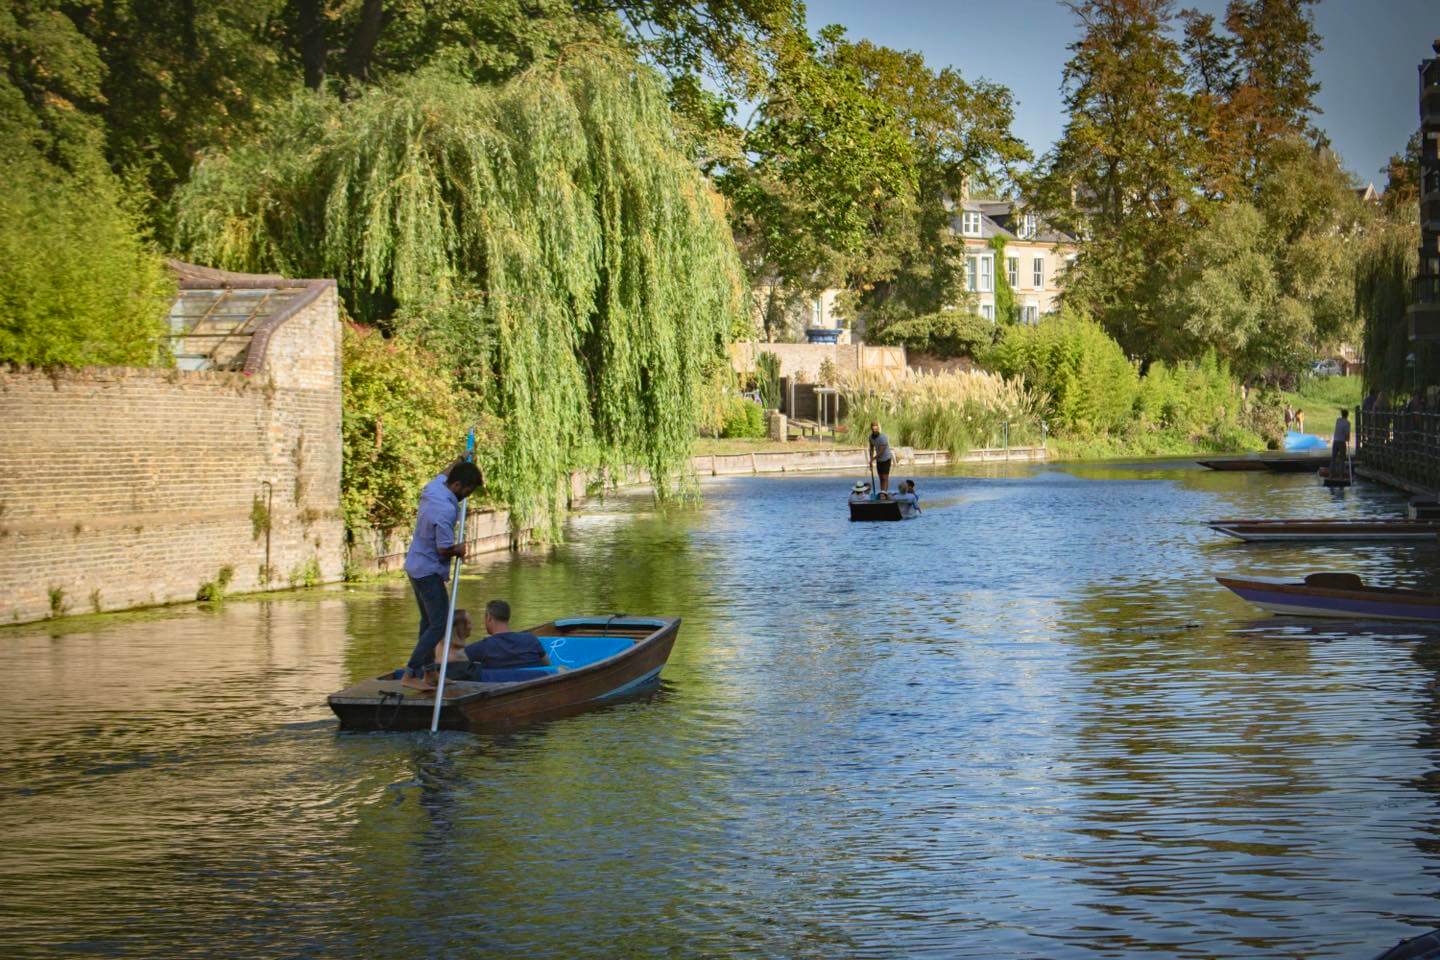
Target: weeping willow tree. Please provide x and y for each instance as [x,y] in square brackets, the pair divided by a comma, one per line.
[1383,272]
[547,238]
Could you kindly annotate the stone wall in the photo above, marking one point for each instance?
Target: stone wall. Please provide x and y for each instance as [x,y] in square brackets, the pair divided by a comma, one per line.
[126,487]
[803,360]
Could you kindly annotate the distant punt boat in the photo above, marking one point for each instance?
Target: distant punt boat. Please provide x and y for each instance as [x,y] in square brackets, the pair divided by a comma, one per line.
[1234,463]
[1302,463]
[593,659]
[866,506]
[1335,595]
[1258,531]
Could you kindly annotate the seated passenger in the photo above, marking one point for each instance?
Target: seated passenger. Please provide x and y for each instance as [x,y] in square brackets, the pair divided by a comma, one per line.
[908,488]
[503,647]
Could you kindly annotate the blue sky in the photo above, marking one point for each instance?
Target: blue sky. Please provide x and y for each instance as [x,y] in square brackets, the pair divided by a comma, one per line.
[1366,71]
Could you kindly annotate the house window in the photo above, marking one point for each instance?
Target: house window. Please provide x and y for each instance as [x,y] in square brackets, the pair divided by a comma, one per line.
[1012,271]
[970,223]
[817,314]
[987,310]
[1027,226]
[1039,273]
[987,279]
[1030,314]
[970,273]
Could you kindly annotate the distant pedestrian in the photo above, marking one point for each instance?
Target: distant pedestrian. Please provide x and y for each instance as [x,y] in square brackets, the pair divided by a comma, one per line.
[1289,418]
[1300,421]
[1371,400]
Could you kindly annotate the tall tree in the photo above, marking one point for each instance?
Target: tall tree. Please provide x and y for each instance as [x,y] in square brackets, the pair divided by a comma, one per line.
[1254,87]
[961,136]
[829,169]
[1124,172]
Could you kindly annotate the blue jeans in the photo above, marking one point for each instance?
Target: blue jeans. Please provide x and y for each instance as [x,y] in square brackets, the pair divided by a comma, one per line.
[434,601]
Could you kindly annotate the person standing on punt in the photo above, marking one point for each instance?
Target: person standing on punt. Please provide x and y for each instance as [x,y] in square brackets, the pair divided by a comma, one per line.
[881,456]
[1339,444]
[427,563]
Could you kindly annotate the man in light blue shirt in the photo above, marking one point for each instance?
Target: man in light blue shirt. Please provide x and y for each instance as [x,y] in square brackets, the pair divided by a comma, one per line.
[427,563]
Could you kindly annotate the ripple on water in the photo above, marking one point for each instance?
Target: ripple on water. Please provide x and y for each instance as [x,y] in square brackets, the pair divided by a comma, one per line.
[1028,724]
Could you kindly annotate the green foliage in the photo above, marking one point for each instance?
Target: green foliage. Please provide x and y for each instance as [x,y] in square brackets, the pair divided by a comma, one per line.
[58,606]
[949,411]
[1122,170]
[830,161]
[260,514]
[214,591]
[743,419]
[306,574]
[1089,382]
[1094,393]
[1384,269]
[79,284]
[400,423]
[767,379]
[949,333]
[546,238]
[1006,310]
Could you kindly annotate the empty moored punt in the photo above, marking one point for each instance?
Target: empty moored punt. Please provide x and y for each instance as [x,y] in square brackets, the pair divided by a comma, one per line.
[1297,463]
[869,507]
[1234,463]
[1335,595]
[1257,531]
[592,659]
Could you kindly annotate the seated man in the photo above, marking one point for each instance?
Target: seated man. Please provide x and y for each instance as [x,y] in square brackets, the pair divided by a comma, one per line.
[502,647]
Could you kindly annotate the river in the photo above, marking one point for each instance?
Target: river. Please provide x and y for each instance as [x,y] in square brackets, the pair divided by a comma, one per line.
[1026,724]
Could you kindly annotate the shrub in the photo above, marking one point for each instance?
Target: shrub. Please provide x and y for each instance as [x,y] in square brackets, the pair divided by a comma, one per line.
[399,426]
[1089,382]
[743,419]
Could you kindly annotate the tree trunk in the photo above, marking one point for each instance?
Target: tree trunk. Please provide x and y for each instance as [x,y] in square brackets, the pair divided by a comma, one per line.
[312,42]
[362,46]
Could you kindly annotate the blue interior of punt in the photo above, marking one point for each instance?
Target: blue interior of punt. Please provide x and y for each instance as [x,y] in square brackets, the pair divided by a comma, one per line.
[568,653]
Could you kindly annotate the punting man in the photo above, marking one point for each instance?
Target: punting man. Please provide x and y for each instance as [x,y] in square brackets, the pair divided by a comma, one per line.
[1339,442]
[881,455]
[428,562]
[503,647]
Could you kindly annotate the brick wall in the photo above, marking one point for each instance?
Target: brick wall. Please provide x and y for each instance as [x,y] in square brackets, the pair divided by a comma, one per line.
[125,487]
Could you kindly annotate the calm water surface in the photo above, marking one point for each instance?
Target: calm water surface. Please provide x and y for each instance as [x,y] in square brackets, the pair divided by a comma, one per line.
[1028,724]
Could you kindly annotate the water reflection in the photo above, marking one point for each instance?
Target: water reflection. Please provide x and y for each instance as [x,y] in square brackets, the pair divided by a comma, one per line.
[1027,724]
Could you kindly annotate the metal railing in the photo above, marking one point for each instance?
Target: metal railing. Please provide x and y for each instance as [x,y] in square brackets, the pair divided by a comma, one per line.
[1402,444]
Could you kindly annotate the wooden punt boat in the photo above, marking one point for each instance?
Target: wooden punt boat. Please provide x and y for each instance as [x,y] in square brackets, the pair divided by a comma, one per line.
[593,659]
[1234,463]
[1297,463]
[868,506]
[1335,595]
[1424,947]
[1259,531]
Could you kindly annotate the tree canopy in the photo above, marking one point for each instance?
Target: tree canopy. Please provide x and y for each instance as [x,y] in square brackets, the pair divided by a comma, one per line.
[546,237]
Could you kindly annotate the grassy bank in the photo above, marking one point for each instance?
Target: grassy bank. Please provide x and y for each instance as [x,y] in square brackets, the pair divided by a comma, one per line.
[1321,398]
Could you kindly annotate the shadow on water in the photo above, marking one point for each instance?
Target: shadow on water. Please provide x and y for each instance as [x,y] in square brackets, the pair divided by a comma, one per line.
[1027,724]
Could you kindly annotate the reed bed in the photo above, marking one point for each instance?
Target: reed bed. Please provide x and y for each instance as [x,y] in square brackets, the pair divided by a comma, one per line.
[955,411]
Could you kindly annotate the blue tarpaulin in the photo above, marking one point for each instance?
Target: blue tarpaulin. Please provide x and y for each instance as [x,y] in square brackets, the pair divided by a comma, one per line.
[1300,442]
